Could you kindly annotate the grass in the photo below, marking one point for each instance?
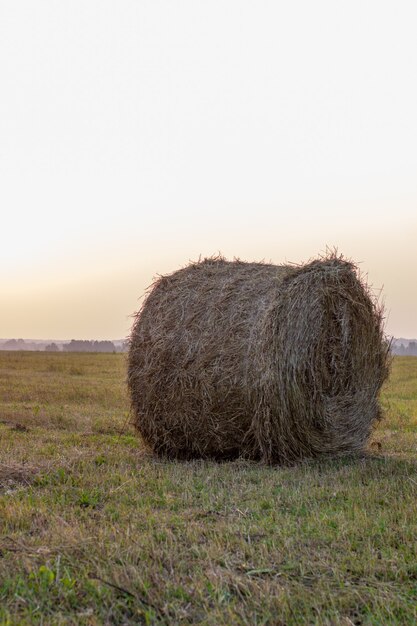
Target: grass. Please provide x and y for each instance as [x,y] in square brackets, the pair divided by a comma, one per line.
[95,530]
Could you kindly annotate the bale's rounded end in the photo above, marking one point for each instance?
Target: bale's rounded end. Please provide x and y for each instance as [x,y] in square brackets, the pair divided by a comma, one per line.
[328,363]
[267,362]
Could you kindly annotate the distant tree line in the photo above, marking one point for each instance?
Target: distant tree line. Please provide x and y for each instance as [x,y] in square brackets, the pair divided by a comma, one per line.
[75,345]
[51,347]
[83,345]
[403,350]
[16,344]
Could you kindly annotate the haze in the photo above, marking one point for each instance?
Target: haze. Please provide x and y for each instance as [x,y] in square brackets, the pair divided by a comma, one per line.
[137,135]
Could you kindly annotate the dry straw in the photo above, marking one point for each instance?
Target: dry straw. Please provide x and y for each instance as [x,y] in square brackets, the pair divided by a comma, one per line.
[256,360]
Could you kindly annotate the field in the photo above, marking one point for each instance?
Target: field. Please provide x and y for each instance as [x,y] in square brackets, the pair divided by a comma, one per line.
[95,530]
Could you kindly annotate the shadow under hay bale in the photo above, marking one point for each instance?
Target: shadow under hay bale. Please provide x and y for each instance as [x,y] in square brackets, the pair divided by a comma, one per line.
[262,361]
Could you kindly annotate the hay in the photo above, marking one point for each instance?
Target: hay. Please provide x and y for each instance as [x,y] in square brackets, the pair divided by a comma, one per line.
[262,361]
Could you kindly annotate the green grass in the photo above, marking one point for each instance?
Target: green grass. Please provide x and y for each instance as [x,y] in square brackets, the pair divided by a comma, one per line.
[94,530]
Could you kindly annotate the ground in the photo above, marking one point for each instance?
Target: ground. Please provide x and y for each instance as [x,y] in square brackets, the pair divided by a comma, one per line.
[95,530]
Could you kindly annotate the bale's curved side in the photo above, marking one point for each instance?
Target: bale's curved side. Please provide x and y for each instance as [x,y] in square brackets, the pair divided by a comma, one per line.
[264,361]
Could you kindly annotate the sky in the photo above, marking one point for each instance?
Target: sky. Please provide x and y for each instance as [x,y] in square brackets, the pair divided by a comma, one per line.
[137,135]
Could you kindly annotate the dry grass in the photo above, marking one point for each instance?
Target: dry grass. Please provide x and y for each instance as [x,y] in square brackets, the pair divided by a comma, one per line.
[106,534]
[266,362]
[13,475]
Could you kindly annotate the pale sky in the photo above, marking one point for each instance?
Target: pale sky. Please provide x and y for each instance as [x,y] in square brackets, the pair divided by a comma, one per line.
[137,135]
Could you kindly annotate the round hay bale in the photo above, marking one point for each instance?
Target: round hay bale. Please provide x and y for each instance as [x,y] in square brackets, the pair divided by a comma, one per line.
[256,360]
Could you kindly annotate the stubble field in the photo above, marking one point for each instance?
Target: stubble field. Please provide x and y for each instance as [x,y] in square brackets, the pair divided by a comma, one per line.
[95,530]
